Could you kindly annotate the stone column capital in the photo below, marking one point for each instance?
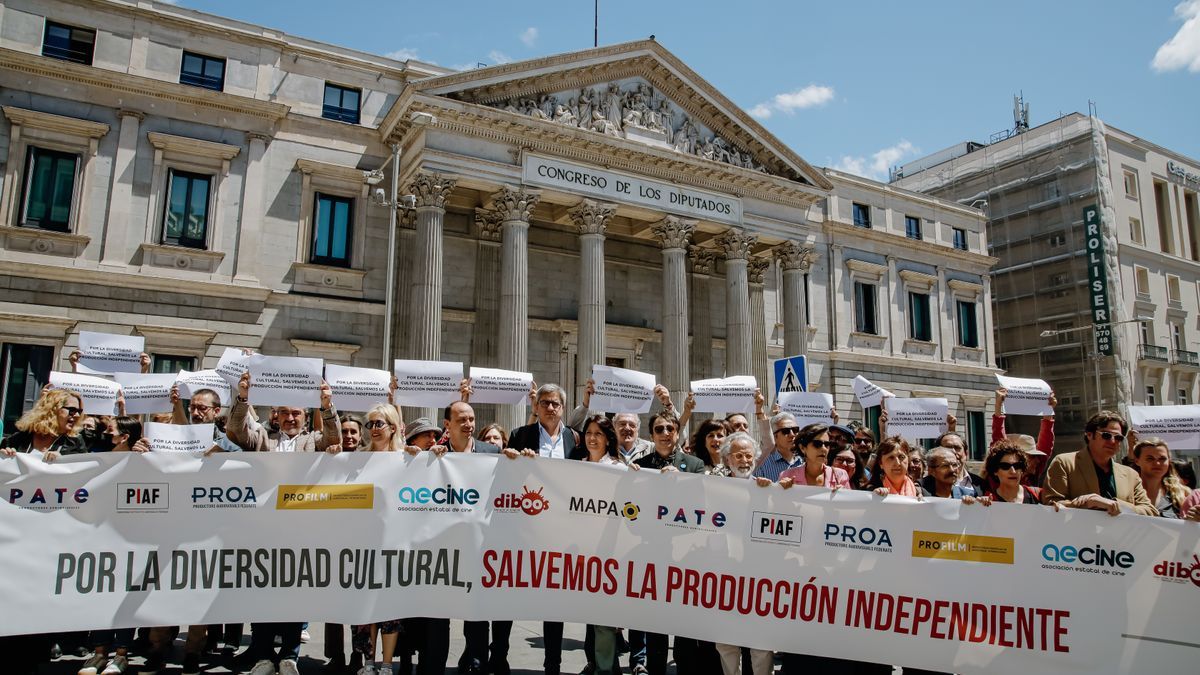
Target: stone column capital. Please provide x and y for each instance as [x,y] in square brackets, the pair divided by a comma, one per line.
[673,232]
[793,256]
[757,268]
[406,218]
[252,136]
[431,189]
[487,225]
[130,112]
[515,203]
[737,243]
[703,259]
[591,217]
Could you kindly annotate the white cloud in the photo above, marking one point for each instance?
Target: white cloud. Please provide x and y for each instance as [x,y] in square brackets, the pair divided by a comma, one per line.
[789,102]
[876,167]
[529,36]
[498,56]
[403,54]
[1183,49]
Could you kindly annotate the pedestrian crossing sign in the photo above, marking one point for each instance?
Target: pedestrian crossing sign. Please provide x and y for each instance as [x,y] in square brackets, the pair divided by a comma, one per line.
[791,374]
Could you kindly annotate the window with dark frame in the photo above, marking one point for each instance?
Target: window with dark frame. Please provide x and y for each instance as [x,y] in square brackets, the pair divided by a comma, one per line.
[49,189]
[199,70]
[169,363]
[912,227]
[332,230]
[186,220]
[68,43]
[968,329]
[919,324]
[977,434]
[341,103]
[960,239]
[864,308]
[862,215]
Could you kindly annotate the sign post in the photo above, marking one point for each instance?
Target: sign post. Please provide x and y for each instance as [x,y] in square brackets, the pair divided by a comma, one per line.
[791,374]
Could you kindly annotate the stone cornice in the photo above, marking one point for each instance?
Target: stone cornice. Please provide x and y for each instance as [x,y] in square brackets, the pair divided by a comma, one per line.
[136,85]
[193,146]
[118,279]
[847,235]
[71,126]
[892,190]
[338,172]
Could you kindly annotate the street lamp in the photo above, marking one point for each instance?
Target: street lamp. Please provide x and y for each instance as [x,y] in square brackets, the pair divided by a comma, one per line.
[1095,351]
[373,179]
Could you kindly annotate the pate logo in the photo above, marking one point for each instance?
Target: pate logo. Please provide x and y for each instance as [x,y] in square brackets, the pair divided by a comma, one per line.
[775,528]
[1086,559]
[964,547]
[143,497]
[448,499]
[1179,572]
[861,538]
[323,497]
[223,497]
[48,498]
[604,507]
[529,502]
[691,519]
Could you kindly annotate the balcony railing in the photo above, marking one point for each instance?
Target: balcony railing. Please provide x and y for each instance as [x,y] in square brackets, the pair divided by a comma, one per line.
[1152,353]
[1185,358]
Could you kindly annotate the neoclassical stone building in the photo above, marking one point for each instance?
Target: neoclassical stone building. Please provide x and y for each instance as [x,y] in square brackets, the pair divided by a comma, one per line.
[208,183]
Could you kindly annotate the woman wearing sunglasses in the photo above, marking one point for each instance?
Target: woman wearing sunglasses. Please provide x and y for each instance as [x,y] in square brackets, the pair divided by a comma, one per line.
[851,462]
[51,427]
[1090,479]
[814,442]
[1004,473]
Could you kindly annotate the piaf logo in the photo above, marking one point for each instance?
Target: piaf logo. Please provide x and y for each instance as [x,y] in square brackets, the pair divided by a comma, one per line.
[530,502]
[143,497]
[775,528]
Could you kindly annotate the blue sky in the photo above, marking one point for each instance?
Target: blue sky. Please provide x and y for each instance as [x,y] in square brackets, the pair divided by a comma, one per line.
[854,85]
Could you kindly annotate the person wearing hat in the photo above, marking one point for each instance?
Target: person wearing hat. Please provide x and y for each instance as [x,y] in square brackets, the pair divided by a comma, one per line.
[422,434]
[1045,439]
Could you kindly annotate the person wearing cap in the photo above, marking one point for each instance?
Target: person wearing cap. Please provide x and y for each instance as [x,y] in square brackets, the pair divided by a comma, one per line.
[1090,479]
[422,434]
[1045,439]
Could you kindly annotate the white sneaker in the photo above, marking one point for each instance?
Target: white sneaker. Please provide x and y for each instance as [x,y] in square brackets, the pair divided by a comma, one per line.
[116,666]
[288,667]
[368,669]
[263,667]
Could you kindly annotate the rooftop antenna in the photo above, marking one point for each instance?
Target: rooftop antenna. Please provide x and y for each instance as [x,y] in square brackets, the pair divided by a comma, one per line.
[1020,114]
[596,24]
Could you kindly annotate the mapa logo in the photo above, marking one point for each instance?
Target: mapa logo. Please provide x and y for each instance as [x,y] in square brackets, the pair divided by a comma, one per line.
[223,497]
[529,502]
[143,497]
[604,507]
[775,528]
[48,498]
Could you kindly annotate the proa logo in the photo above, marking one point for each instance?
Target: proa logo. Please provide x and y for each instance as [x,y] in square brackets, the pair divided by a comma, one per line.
[863,538]
[776,528]
[530,502]
[604,507]
[143,497]
[48,498]
[223,497]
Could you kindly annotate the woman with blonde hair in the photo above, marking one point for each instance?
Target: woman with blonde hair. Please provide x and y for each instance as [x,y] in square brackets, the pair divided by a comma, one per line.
[385,431]
[51,427]
[1152,459]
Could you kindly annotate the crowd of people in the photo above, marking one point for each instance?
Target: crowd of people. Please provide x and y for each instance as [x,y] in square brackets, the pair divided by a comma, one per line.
[834,456]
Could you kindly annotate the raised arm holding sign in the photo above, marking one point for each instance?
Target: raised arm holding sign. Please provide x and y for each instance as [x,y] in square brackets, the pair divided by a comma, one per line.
[357,389]
[1025,396]
[619,390]
[725,395]
[434,384]
[99,395]
[103,353]
[916,418]
[145,394]
[493,385]
[285,380]
[808,407]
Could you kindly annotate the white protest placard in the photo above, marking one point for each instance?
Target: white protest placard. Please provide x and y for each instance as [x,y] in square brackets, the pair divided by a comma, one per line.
[179,437]
[492,385]
[291,381]
[427,383]
[725,395]
[146,393]
[915,418]
[357,389]
[1025,396]
[99,395]
[190,382]
[107,353]
[808,407]
[620,390]
[868,395]
[234,362]
[1177,425]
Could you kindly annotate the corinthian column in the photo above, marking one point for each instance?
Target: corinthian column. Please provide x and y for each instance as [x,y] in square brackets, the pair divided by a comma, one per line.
[673,234]
[515,206]
[591,218]
[795,260]
[736,244]
[425,291]
[756,268]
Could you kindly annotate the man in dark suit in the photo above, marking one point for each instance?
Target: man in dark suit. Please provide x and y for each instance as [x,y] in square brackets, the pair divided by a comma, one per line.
[1090,479]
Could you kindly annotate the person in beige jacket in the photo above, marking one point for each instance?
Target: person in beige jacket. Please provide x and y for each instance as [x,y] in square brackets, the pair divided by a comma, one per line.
[1090,479]
[292,436]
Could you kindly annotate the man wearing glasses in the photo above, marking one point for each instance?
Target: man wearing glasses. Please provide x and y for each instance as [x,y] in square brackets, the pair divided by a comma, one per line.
[1090,479]
[548,436]
[784,430]
[204,408]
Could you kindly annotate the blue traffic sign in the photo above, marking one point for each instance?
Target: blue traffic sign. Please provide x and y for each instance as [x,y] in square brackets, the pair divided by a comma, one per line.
[791,374]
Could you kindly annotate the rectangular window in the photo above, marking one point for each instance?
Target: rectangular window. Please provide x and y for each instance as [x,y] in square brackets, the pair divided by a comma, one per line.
[186,219]
[202,71]
[1177,336]
[1050,191]
[24,369]
[919,325]
[862,215]
[1065,334]
[1058,239]
[864,308]
[968,331]
[912,227]
[871,419]
[341,103]
[1131,185]
[49,187]
[1135,231]
[68,43]
[976,434]
[167,363]
[1151,399]
[332,231]
[1173,294]
[1182,397]
[960,239]
[1144,330]
[1141,280]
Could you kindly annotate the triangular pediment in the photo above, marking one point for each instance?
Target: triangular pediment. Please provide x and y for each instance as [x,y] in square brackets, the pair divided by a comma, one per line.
[637,91]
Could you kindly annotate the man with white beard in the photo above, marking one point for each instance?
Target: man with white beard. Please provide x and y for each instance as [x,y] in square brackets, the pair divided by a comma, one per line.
[739,452]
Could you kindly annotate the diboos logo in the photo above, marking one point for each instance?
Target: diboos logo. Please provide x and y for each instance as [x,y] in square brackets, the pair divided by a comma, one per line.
[1086,559]
[1179,572]
[775,528]
[447,499]
[605,508]
[691,519]
[223,497]
[862,538]
[48,499]
[143,497]
[310,497]
[529,502]
[966,547]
